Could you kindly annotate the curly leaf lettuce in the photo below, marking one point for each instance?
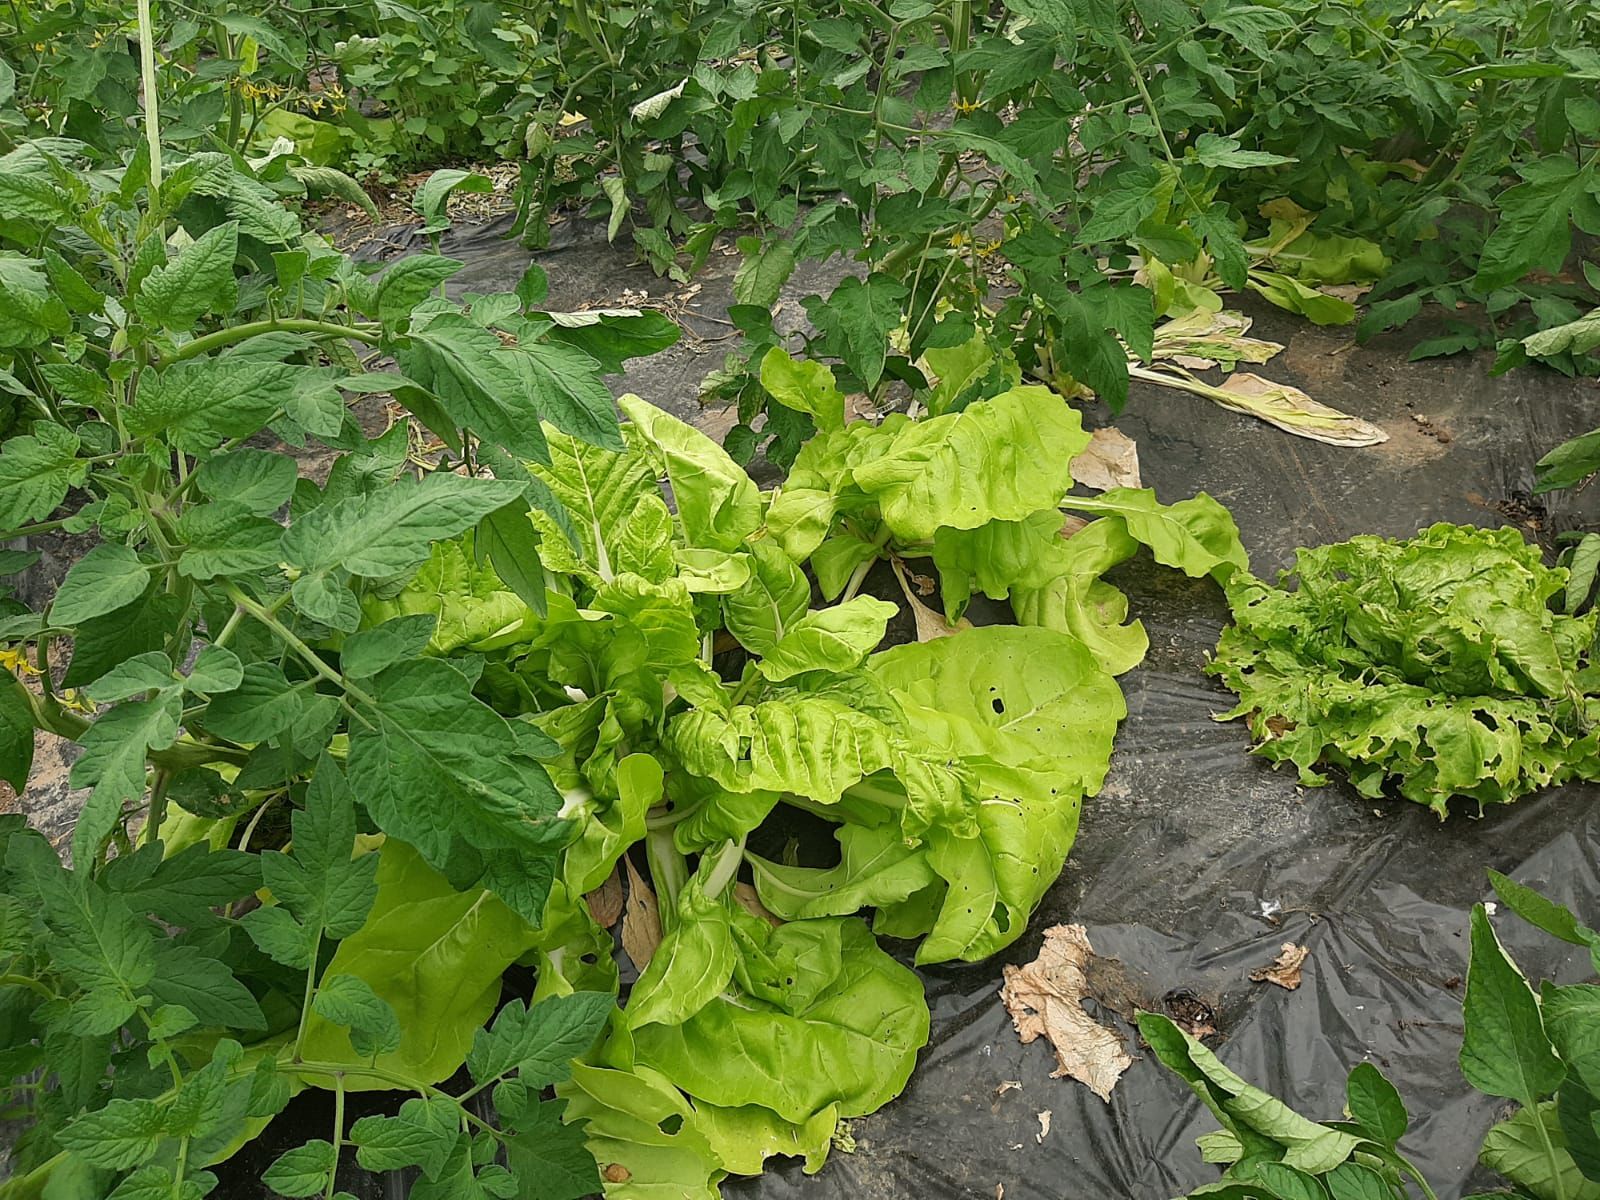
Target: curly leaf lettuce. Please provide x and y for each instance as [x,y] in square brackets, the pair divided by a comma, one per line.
[1433,664]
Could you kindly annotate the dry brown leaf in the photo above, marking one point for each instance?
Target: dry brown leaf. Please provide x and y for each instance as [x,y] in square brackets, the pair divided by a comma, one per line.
[1045,998]
[1008,1085]
[857,407]
[1293,411]
[1349,292]
[641,920]
[605,902]
[1111,460]
[930,623]
[745,894]
[1044,1125]
[1285,969]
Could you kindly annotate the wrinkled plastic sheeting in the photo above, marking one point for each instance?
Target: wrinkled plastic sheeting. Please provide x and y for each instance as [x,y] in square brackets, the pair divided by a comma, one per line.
[1195,864]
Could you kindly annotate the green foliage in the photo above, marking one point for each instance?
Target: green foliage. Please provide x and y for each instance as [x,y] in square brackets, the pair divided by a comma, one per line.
[169,991]
[1435,664]
[1541,1049]
[434,699]
[354,746]
[1446,156]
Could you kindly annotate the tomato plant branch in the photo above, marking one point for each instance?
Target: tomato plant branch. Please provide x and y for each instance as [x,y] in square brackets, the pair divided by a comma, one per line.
[158,806]
[371,334]
[310,657]
[338,1135]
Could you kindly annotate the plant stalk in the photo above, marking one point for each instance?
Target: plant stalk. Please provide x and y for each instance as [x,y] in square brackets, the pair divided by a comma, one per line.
[370,334]
[147,75]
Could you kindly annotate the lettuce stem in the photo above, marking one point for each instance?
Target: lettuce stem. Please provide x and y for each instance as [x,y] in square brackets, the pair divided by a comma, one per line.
[724,866]
[668,872]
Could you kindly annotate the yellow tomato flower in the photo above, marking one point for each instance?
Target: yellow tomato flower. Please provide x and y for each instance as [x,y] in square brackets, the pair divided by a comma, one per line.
[15,660]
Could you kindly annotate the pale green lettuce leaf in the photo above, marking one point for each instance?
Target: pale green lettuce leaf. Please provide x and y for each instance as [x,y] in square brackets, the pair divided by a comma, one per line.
[572,953]
[663,613]
[1079,602]
[638,1120]
[859,1040]
[608,829]
[476,610]
[830,639]
[435,955]
[1197,536]
[836,559]
[815,746]
[1001,459]
[994,881]
[877,866]
[805,386]
[744,1138]
[616,511]
[718,815]
[1030,716]
[1019,696]
[690,967]
[712,572]
[798,518]
[717,501]
[999,557]
[774,598]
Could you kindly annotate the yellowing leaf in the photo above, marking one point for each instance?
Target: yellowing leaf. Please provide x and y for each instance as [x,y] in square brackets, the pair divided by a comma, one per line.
[1290,409]
[435,955]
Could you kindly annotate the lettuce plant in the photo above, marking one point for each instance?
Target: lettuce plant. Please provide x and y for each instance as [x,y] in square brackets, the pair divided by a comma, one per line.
[699,684]
[1436,665]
